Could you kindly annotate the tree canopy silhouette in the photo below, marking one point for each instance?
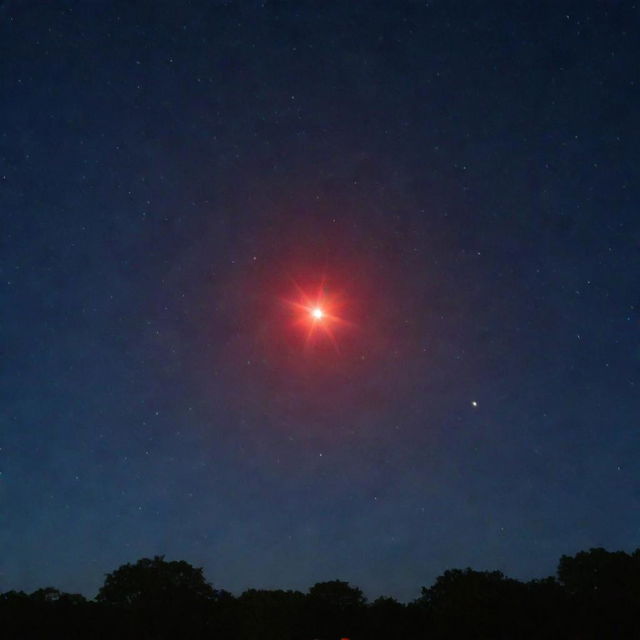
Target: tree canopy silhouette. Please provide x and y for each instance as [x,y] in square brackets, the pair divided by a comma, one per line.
[596,595]
[334,609]
[480,603]
[603,588]
[157,598]
[155,582]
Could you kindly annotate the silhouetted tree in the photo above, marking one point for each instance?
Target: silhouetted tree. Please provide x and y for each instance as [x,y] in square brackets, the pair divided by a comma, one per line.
[596,595]
[271,614]
[45,613]
[335,609]
[386,618]
[50,594]
[604,592]
[15,611]
[546,604]
[475,604]
[154,581]
[160,598]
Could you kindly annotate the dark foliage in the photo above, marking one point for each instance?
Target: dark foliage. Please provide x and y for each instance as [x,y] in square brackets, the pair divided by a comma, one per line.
[603,590]
[596,595]
[270,614]
[155,582]
[479,604]
[334,609]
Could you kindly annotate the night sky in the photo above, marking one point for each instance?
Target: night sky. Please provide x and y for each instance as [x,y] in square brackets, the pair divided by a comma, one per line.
[455,183]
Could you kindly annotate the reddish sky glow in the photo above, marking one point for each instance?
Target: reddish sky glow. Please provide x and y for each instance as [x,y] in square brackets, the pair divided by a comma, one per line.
[317,314]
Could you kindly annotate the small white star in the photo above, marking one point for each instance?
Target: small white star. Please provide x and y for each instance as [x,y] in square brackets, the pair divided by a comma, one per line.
[474,403]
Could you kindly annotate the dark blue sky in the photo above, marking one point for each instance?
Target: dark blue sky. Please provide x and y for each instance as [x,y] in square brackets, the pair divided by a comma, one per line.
[464,176]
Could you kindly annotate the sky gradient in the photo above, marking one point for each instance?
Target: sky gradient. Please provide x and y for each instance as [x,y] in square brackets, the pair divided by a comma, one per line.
[461,177]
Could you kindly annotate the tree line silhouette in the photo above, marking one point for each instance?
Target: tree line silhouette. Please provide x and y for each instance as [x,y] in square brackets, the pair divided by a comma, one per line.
[595,594]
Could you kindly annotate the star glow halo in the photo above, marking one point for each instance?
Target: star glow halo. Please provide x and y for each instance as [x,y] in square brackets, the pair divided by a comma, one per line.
[317,315]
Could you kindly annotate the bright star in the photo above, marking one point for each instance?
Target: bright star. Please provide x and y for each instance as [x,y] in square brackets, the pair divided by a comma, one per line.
[318,313]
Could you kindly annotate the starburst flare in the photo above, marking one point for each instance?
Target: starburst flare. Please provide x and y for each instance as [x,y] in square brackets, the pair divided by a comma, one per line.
[318,315]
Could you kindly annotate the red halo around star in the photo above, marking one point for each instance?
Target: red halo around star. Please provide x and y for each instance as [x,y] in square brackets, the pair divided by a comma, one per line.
[317,314]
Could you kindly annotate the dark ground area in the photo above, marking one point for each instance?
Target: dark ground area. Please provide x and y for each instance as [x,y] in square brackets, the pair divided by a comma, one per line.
[596,594]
